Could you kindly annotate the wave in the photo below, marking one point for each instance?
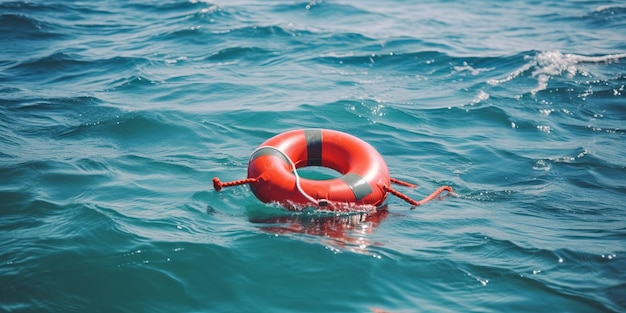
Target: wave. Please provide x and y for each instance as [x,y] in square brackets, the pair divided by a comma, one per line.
[61,68]
[545,65]
[320,8]
[607,17]
[21,19]
[169,9]
[23,27]
[238,54]
[483,254]
[404,61]
[130,83]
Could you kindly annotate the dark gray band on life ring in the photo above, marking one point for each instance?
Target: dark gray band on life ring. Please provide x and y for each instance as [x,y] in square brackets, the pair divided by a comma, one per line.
[269,151]
[313,146]
[359,186]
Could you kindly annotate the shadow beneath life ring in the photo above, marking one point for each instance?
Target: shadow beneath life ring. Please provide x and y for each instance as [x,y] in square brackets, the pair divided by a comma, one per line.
[343,230]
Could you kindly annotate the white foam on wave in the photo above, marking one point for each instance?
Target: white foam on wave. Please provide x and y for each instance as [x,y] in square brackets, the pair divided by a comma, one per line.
[474,71]
[548,64]
[481,96]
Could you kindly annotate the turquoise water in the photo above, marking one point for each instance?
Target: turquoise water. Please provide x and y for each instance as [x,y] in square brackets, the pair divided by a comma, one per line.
[116,115]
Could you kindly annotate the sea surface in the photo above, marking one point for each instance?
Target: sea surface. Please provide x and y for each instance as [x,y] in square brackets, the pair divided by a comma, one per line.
[115,116]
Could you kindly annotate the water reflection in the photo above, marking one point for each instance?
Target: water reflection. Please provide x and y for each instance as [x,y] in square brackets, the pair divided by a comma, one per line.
[343,231]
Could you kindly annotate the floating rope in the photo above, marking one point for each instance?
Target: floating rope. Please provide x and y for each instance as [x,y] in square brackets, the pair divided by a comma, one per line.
[418,203]
[218,185]
[402,183]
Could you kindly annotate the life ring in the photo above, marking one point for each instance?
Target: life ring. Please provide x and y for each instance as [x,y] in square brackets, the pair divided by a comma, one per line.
[273,165]
[364,182]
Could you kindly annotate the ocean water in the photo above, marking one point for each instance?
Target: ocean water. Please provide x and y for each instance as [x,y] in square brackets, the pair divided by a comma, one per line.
[115,116]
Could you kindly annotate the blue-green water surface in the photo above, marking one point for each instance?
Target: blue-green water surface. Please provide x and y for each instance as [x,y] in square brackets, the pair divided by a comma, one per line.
[115,116]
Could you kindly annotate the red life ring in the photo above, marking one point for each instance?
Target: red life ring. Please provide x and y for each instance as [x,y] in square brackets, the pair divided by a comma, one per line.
[273,177]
